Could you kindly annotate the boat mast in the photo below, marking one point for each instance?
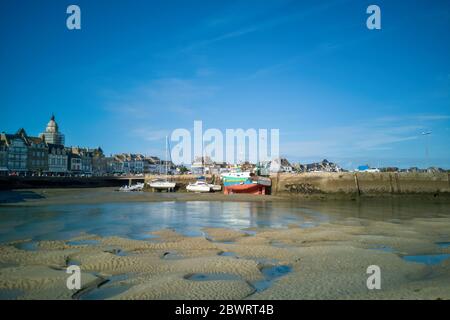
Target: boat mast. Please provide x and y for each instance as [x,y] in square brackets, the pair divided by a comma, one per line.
[166,157]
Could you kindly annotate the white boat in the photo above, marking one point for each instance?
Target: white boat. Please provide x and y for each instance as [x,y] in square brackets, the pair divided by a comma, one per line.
[136,187]
[199,186]
[236,175]
[163,184]
[215,187]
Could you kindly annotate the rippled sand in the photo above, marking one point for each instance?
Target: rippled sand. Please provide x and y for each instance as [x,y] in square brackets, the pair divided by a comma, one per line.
[328,261]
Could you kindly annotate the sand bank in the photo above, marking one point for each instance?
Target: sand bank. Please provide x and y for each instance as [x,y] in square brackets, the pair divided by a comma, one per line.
[328,261]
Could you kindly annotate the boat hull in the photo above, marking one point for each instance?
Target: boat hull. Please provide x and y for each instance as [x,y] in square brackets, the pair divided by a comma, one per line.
[163,185]
[194,188]
[253,188]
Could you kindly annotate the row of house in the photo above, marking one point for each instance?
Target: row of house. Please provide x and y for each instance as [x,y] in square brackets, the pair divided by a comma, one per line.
[21,154]
[128,163]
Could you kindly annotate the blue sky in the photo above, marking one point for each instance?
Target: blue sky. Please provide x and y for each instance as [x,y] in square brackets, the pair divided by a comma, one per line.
[139,69]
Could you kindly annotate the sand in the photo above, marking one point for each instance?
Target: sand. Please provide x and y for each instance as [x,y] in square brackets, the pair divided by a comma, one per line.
[328,261]
[43,197]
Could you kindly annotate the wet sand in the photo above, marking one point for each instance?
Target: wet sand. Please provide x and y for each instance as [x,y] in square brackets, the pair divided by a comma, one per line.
[325,261]
[32,197]
[44,197]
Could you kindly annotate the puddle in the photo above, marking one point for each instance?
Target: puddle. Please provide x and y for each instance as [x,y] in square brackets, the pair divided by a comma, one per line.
[108,289]
[225,242]
[143,236]
[443,244]
[191,233]
[228,254]
[271,273]
[212,277]
[220,241]
[384,249]
[84,242]
[431,259]
[10,294]
[27,246]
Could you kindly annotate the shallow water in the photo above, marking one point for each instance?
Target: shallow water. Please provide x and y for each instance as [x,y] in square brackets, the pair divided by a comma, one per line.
[271,273]
[84,242]
[107,290]
[213,277]
[136,219]
[428,259]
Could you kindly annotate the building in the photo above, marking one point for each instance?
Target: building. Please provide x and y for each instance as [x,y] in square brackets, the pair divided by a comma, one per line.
[17,151]
[3,158]
[74,163]
[37,160]
[131,163]
[280,165]
[114,165]
[99,163]
[52,134]
[201,165]
[85,158]
[57,159]
[152,165]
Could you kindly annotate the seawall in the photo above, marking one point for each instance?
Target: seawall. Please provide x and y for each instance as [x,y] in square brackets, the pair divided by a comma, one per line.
[284,184]
[362,183]
[8,183]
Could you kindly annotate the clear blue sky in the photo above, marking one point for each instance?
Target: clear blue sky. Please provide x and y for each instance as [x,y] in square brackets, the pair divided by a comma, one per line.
[139,69]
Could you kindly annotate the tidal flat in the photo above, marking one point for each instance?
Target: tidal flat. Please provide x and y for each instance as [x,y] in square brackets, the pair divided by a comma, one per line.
[162,246]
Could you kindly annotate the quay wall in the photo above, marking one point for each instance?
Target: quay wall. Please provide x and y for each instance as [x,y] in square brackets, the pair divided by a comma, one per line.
[321,183]
[8,183]
[362,183]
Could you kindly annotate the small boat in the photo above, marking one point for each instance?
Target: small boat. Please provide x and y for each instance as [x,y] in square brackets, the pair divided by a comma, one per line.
[163,184]
[136,187]
[199,186]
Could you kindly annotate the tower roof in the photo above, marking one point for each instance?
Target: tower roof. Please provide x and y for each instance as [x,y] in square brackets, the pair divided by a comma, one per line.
[52,126]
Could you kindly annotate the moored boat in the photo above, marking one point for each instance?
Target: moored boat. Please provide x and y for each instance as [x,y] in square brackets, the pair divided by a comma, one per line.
[245,182]
[136,187]
[199,186]
[164,184]
[250,188]
[161,184]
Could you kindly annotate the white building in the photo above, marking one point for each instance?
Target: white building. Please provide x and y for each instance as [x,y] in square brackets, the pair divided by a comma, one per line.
[52,134]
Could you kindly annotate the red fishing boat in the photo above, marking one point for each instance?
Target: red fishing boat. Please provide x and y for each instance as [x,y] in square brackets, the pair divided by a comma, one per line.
[253,185]
[253,188]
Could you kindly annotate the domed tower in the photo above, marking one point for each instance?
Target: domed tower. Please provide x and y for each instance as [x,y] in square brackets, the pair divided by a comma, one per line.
[52,134]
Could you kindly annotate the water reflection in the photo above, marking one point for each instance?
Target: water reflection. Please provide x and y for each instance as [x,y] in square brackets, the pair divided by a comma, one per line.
[136,220]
